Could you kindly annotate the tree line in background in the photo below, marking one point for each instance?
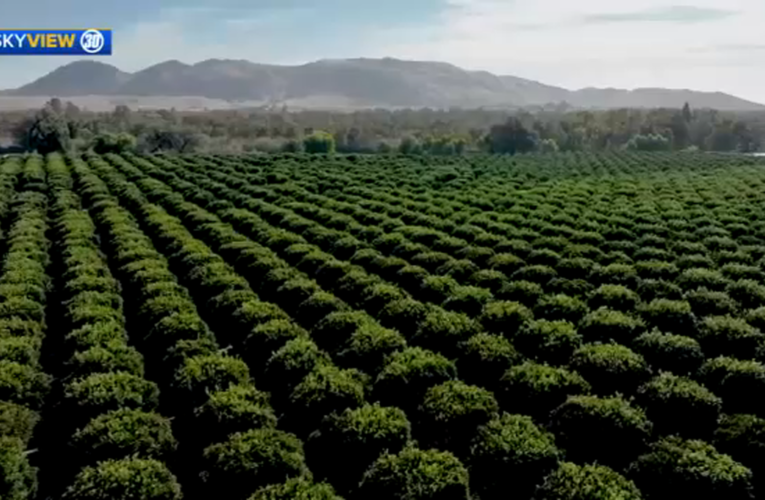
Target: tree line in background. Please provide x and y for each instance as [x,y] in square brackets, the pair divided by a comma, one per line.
[62,126]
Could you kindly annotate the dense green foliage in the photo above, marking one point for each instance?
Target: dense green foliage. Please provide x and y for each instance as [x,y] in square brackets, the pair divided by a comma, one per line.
[326,326]
[439,132]
[574,482]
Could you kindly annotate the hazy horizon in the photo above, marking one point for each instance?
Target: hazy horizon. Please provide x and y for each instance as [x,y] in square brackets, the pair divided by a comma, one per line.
[706,45]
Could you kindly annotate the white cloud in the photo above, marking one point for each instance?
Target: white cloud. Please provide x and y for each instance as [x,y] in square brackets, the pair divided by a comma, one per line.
[558,42]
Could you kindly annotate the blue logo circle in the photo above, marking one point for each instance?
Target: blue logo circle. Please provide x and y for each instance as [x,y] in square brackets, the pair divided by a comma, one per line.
[92,41]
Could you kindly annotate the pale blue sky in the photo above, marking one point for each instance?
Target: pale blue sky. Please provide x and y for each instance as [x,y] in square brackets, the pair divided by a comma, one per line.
[699,44]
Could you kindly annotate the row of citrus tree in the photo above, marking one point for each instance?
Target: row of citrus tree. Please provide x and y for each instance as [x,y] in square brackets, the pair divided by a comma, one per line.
[193,190]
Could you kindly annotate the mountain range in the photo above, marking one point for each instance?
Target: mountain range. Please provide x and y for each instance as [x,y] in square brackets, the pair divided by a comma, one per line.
[350,83]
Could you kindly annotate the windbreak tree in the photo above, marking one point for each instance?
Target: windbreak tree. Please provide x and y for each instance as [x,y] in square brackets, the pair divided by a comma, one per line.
[511,137]
[319,142]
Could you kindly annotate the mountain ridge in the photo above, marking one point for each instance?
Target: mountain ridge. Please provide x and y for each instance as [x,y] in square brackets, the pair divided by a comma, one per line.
[361,82]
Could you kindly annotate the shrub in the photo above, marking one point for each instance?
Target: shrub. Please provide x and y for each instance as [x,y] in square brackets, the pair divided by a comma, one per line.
[331,272]
[102,392]
[489,279]
[484,358]
[411,277]
[518,247]
[657,270]
[610,368]
[670,316]
[437,289]
[586,482]
[408,374]
[324,390]
[505,318]
[575,268]
[650,290]
[312,262]
[451,413]
[275,278]
[364,257]
[749,293]
[124,433]
[621,429]
[535,274]
[460,270]
[729,336]
[291,363]
[573,288]
[756,318]
[369,346]
[548,341]
[616,256]
[336,329]
[268,338]
[694,261]
[18,479]
[183,349]
[354,284]
[21,350]
[443,330]
[605,325]
[356,438]
[676,468]
[155,308]
[714,370]
[296,488]
[735,381]
[126,479]
[296,290]
[587,252]
[249,315]
[377,296]
[706,303]
[201,375]
[738,271]
[431,260]
[616,297]
[403,315]
[743,438]
[650,254]
[561,307]
[295,252]
[469,300]
[415,474]
[113,356]
[691,279]
[743,257]
[552,240]
[250,460]
[523,292]
[615,274]
[543,257]
[479,255]
[319,305]
[510,453]
[678,405]
[180,326]
[506,263]
[236,409]
[17,327]
[536,390]
[22,308]
[17,421]
[674,353]
[23,384]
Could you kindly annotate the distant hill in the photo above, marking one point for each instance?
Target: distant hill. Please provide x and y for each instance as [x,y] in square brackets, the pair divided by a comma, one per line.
[351,83]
